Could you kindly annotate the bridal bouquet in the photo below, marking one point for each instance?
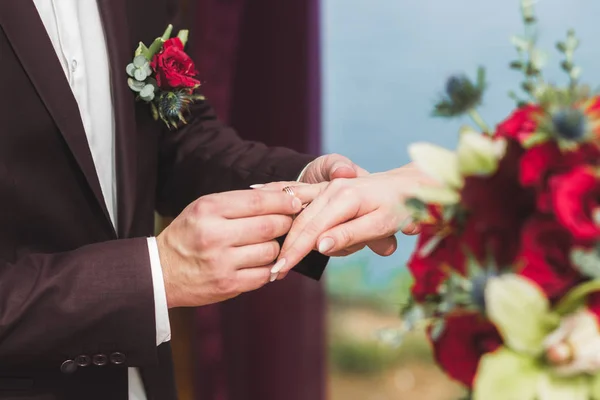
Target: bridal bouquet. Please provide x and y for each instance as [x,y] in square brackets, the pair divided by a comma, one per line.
[507,267]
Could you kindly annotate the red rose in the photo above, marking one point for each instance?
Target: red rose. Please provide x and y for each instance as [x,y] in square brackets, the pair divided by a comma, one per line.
[494,219]
[430,270]
[544,256]
[521,123]
[464,340]
[489,225]
[545,160]
[576,197]
[174,68]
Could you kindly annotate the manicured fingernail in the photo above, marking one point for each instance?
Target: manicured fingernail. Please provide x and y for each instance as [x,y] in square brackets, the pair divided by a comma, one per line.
[325,245]
[297,204]
[257,186]
[278,266]
[273,277]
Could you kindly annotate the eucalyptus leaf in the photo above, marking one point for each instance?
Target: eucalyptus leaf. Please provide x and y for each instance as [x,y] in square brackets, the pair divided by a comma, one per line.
[140,61]
[140,74]
[130,69]
[520,311]
[552,387]
[147,93]
[521,43]
[148,69]
[135,85]
[506,375]
[587,261]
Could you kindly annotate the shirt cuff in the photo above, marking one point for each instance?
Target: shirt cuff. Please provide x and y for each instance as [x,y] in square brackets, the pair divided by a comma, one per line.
[161,310]
[302,173]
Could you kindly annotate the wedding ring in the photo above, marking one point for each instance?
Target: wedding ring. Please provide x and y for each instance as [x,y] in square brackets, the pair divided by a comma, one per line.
[289,191]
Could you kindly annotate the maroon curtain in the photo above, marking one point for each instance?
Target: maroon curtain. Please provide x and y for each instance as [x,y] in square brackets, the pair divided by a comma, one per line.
[260,62]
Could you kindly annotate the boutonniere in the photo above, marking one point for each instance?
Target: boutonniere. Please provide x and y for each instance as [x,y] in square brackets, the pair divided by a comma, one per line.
[164,76]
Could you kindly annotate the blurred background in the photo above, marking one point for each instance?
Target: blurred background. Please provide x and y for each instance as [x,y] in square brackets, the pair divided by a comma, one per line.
[356,77]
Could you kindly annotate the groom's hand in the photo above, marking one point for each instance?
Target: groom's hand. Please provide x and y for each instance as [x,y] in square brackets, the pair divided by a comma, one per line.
[329,167]
[223,245]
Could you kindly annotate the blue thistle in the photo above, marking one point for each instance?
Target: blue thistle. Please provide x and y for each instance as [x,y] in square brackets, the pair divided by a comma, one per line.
[570,124]
[171,106]
[461,95]
[479,284]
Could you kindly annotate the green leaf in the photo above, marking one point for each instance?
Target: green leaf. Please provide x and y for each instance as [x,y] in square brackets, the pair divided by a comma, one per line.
[561,47]
[521,43]
[140,61]
[183,36]
[520,311]
[130,69]
[506,375]
[562,388]
[576,297]
[587,261]
[140,74]
[167,34]
[154,48]
[135,85]
[481,78]
[439,163]
[535,139]
[141,50]
[595,387]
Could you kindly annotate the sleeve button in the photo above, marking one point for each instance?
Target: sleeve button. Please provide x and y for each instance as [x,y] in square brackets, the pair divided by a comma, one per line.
[117,358]
[68,367]
[99,360]
[83,360]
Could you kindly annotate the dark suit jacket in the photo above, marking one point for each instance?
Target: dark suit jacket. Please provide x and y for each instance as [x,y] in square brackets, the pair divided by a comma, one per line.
[72,290]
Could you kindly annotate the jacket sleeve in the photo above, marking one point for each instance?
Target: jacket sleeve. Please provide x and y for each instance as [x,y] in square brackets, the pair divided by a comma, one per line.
[206,156]
[100,294]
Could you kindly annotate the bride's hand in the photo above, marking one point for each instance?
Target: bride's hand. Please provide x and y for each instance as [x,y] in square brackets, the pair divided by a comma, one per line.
[346,214]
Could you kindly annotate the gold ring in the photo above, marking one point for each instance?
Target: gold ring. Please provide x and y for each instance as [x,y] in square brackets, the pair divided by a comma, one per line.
[289,191]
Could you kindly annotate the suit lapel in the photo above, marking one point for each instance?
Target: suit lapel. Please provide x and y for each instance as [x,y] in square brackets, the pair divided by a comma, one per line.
[120,50]
[27,35]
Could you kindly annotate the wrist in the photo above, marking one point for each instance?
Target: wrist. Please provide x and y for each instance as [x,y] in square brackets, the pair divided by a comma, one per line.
[165,263]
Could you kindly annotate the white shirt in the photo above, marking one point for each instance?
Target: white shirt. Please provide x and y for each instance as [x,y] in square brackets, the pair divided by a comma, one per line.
[75,29]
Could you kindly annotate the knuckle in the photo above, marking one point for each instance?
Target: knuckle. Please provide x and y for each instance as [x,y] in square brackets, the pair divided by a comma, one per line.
[255,201]
[226,285]
[270,251]
[339,184]
[266,228]
[203,207]
[346,236]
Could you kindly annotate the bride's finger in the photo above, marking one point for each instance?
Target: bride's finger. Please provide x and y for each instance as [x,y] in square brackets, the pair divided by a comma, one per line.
[375,228]
[321,215]
[307,193]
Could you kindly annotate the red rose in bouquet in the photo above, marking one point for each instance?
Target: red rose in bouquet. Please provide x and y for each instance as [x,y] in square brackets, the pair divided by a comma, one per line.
[466,337]
[544,256]
[520,124]
[542,161]
[576,201]
[173,67]
[497,207]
